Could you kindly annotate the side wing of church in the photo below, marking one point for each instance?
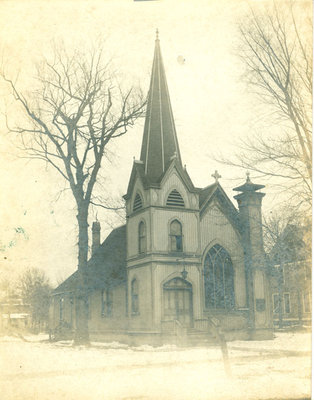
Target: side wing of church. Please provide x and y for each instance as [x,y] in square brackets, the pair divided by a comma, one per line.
[186,259]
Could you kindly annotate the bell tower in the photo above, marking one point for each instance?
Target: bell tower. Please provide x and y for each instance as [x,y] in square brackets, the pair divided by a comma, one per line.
[258,294]
[162,207]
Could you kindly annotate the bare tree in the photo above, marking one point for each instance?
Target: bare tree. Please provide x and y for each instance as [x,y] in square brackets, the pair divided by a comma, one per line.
[35,290]
[276,50]
[75,110]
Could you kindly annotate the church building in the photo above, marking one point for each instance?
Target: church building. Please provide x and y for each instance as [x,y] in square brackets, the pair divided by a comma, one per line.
[186,258]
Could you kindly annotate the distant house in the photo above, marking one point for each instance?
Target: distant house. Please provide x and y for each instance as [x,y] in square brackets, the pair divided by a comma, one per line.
[291,278]
[14,315]
[186,257]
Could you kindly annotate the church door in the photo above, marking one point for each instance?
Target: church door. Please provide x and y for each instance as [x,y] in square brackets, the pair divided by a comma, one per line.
[177,294]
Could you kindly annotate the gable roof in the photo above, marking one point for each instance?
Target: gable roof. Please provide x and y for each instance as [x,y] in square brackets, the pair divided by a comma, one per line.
[185,177]
[138,171]
[215,191]
[206,193]
[106,267]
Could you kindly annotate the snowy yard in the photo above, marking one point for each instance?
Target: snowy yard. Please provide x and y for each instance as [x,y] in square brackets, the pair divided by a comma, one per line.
[39,370]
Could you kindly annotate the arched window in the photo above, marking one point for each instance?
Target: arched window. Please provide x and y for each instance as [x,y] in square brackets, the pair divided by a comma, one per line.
[134,297]
[175,199]
[138,203]
[218,279]
[176,236]
[142,237]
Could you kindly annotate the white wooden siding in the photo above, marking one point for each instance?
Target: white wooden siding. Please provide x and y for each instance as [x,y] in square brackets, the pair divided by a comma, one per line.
[161,220]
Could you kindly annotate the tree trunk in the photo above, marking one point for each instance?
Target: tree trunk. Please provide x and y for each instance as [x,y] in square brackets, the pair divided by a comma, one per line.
[81,298]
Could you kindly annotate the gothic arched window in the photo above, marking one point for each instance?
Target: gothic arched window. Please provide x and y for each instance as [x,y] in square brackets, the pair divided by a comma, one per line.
[176,236]
[218,279]
[142,237]
[134,297]
[175,199]
[138,203]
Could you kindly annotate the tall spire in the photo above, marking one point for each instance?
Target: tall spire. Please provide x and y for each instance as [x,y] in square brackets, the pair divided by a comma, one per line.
[160,143]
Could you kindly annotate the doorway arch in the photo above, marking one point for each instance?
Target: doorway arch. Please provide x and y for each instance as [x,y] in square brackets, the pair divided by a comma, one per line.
[178,301]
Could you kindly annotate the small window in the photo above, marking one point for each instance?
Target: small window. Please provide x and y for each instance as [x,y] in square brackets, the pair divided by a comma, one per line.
[285,273]
[138,203]
[88,308]
[142,237]
[306,302]
[175,199]
[106,303]
[176,236]
[276,303]
[61,309]
[71,310]
[286,298]
[307,271]
[134,297]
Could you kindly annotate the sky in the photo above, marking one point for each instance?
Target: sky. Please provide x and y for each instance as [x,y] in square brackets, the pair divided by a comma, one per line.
[213,108]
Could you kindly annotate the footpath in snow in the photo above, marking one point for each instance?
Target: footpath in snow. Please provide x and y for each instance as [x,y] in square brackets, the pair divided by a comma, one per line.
[37,369]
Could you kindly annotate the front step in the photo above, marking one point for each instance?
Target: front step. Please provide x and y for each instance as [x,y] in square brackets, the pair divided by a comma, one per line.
[196,337]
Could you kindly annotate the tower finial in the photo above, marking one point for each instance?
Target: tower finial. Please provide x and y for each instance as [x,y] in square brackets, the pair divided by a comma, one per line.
[157,34]
[248,180]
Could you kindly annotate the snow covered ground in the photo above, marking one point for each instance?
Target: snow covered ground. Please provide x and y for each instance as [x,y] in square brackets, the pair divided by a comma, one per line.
[39,370]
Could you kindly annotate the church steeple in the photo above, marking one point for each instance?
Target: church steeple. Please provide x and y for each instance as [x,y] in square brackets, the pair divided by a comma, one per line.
[160,144]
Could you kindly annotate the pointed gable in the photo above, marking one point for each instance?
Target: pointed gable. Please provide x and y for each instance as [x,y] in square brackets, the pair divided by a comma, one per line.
[137,172]
[160,142]
[215,191]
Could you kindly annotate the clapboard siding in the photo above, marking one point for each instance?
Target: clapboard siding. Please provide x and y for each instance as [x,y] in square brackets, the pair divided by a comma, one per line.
[161,220]
[143,320]
[132,232]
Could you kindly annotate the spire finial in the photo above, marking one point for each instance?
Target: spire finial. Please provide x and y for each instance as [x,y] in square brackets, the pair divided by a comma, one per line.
[157,34]
[175,155]
[248,180]
[216,176]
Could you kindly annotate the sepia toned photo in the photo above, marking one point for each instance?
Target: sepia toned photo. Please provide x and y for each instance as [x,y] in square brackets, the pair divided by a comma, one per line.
[156,199]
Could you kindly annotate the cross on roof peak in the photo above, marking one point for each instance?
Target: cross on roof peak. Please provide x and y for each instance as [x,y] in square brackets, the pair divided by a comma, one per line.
[216,176]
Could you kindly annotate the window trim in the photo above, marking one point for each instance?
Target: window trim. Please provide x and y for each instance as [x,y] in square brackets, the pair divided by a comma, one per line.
[171,236]
[88,306]
[273,298]
[135,307]
[107,303]
[142,238]
[231,298]
[309,300]
[284,303]
[61,309]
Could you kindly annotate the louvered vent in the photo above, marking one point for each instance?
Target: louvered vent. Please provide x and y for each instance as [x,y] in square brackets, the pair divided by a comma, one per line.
[137,202]
[175,199]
